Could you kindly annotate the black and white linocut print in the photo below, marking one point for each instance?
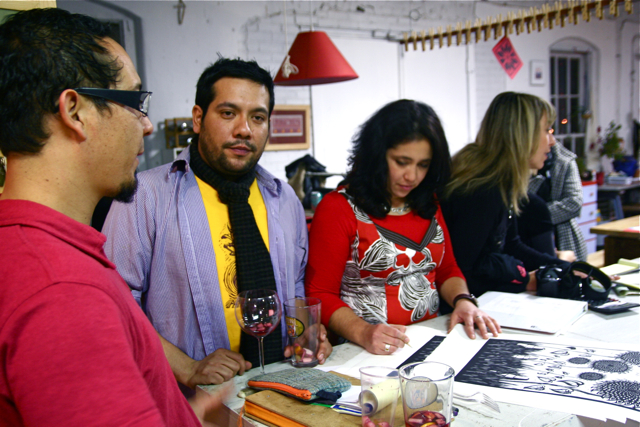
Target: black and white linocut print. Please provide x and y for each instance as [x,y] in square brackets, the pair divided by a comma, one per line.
[602,375]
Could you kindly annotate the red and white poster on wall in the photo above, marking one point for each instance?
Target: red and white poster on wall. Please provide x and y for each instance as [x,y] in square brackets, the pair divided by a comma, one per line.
[508,57]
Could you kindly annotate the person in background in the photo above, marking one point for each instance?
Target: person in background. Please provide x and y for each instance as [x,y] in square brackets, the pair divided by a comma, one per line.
[76,349]
[379,249]
[211,224]
[558,185]
[488,183]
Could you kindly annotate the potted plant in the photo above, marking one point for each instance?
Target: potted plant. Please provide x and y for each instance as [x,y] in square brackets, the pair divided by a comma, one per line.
[612,148]
[609,144]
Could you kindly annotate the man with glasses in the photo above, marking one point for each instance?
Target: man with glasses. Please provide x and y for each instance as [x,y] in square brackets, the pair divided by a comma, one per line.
[75,348]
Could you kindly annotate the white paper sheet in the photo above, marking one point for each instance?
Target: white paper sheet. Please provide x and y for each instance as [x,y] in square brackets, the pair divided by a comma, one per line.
[350,396]
[621,266]
[418,335]
[555,370]
[530,312]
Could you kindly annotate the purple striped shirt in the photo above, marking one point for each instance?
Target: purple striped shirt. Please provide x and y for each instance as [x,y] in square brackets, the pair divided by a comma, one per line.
[161,245]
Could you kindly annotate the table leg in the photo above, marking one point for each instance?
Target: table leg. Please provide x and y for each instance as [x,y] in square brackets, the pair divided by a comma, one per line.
[613,200]
[617,207]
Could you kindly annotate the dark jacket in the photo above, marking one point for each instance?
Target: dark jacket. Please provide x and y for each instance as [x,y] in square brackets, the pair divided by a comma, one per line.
[484,236]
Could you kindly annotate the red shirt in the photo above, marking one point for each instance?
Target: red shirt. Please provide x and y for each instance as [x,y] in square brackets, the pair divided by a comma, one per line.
[333,231]
[75,348]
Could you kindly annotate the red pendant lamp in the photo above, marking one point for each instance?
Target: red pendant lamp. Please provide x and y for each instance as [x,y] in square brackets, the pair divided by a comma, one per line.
[313,60]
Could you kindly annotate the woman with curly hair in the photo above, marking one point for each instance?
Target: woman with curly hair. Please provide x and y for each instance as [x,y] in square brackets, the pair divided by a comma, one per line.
[379,250]
[488,183]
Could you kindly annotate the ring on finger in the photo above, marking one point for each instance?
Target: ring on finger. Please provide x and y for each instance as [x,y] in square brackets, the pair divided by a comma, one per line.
[478,317]
[387,347]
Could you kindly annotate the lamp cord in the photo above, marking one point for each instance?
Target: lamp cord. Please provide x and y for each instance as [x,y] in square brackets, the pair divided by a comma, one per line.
[286,40]
[287,67]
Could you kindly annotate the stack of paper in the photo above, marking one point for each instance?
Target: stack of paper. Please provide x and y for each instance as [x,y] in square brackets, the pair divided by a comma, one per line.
[618,179]
[628,272]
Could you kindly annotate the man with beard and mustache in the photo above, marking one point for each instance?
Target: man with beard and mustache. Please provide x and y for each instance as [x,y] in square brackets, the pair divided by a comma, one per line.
[76,349]
[209,225]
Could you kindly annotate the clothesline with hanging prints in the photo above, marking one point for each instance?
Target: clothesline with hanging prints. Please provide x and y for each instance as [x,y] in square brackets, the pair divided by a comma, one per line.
[535,18]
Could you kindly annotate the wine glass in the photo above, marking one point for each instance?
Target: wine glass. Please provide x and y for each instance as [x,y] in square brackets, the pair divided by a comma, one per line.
[258,313]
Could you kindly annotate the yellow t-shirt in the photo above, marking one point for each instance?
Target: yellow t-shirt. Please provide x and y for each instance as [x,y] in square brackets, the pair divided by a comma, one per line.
[218,217]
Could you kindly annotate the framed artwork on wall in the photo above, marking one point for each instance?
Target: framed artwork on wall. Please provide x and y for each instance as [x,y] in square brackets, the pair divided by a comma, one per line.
[290,128]
[538,73]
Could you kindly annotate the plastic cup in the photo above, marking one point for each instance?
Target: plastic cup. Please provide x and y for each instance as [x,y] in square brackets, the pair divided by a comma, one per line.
[303,329]
[315,198]
[379,395]
[427,392]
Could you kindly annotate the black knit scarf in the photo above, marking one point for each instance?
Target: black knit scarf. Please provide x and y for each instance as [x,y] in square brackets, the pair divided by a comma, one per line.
[253,263]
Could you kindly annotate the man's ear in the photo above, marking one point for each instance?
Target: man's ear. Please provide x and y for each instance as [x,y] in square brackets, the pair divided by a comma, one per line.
[196,115]
[72,109]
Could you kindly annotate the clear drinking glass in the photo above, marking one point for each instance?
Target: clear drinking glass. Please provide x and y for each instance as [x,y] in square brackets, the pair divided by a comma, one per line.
[258,313]
[302,316]
[379,396]
[427,391]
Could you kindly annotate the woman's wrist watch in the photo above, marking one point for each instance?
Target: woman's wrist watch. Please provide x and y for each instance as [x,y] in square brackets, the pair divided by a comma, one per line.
[469,297]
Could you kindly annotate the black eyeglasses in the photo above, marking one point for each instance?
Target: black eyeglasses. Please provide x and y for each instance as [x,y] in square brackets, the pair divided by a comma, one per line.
[136,99]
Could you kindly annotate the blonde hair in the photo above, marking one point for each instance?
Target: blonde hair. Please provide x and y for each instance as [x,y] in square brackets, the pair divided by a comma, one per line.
[500,155]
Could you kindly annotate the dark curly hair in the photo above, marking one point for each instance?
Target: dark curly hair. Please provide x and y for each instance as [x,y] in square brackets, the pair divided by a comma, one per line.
[236,68]
[42,53]
[395,123]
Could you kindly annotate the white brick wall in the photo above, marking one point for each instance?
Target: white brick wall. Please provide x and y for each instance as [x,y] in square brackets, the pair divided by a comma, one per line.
[265,40]
[490,78]
[175,56]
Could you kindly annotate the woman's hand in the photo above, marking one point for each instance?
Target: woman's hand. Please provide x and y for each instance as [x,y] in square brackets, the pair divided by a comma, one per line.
[568,256]
[532,286]
[466,312]
[384,339]
[376,339]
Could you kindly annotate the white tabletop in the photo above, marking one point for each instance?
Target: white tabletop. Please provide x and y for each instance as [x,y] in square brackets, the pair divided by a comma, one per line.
[621,328]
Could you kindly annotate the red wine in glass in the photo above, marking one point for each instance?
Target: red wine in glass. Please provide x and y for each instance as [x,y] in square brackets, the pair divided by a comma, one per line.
[258,313]
[426,418]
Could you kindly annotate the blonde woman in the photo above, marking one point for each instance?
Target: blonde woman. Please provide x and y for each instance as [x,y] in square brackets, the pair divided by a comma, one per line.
[489,181]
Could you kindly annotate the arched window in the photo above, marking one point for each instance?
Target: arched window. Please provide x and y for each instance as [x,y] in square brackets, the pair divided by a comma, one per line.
[571,62]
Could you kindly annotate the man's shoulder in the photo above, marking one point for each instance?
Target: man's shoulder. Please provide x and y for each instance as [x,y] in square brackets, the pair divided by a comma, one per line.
[265,177]
[157,185]
[279,193]
[161,173]
[52,263]
[276,186]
